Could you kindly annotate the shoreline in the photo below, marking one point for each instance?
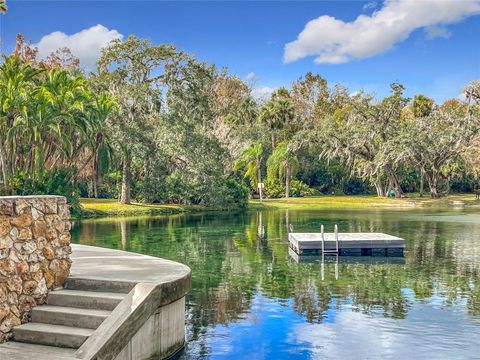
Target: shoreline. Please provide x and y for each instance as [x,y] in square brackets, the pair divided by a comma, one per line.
[356,202]
[110,208]
[104,208]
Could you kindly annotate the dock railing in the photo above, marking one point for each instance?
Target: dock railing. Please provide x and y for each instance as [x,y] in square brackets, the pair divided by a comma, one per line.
[322,232]
[333,251]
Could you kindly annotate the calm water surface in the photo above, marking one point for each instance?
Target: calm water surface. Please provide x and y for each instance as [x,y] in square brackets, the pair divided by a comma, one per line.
[252,300]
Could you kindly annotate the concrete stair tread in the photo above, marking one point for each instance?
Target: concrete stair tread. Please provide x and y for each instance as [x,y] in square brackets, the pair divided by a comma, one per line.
[24,351]
[73,283]
[52,335]
[85,299]
[57,329]
[69,316]
[72,310]
[93,294]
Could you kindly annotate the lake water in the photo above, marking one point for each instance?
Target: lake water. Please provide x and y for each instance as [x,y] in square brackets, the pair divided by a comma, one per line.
[251,300]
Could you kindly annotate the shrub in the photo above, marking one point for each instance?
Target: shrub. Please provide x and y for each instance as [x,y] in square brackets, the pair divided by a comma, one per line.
[273,189]
[236,195]
[54,182]
[300,189]
[276,189]
[354,186]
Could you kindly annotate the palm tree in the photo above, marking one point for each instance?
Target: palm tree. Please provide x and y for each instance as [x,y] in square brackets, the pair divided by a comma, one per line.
[251,161]
[101,149]
[3,6]
[58,122]
[277,113]
[48,119]
[17,86]
[283,165]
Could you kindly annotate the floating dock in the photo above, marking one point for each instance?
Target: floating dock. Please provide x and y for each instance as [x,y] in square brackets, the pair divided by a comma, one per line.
[316,258]
[350,244]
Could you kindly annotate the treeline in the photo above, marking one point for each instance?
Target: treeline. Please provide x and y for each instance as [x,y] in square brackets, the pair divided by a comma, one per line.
[156,125]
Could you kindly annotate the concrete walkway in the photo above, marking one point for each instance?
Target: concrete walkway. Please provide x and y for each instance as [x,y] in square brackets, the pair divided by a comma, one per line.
[89,262]
[147,283]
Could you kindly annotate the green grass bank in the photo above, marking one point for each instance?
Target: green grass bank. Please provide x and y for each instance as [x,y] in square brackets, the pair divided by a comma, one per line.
[111,207]
[367,201]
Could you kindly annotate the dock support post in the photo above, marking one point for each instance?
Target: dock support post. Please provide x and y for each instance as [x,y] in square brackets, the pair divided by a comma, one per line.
[336,266]
[323,239]
[322,266]
[336,236]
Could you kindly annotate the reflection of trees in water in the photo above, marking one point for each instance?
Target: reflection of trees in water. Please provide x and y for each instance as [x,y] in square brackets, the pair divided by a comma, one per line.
[233,257]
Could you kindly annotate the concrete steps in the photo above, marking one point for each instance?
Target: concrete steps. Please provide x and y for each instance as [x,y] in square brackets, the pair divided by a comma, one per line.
[85,299]
[13,350]
[98,286]
[69,317]
[51,335]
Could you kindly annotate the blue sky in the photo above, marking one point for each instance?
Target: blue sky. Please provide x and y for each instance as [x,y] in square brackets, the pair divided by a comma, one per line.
[433,49]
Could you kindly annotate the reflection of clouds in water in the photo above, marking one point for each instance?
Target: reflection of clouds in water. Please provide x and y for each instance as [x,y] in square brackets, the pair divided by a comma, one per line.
[261,335]
[426,333]
[352,335]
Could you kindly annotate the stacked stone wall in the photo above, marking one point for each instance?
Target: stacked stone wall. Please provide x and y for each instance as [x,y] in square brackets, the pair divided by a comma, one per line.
[34,254]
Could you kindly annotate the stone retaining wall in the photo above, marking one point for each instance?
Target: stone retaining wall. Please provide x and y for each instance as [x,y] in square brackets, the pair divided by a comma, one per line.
[34,254]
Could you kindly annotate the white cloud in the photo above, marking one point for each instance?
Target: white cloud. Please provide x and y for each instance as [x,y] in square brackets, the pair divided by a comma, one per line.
[335,41]
[435,31]
[370,5]
[85,44]
[251,76]
[262,92]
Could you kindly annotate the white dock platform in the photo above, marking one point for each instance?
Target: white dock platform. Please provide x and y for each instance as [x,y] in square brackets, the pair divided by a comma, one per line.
[316,258]
[348,243]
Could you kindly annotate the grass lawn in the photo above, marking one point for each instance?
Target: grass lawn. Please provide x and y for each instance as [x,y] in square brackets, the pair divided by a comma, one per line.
[367,201]
[111,207]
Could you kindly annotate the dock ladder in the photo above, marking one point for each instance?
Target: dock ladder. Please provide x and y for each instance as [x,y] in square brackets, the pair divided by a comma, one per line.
[329,251]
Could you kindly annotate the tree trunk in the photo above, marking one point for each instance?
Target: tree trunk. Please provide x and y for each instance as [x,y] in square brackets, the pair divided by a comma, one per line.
[4,170]
[379,188]
[95,187]
[260,190]
[125,194]
[434,193]
[98,183]
[432,179]
[95,178]
[422,175]
[392,179]
[288,174]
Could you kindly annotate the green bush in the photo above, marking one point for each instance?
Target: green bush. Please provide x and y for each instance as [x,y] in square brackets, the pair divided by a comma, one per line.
[276,189]
[110,185]
[354,186]
[273,189]
[54,182]
[236,195]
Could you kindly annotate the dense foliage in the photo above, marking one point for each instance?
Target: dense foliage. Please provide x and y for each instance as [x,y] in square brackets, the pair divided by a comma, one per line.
[156,125]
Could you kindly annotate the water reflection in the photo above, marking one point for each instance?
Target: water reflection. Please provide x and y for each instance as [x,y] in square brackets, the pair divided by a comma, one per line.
[245,281]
